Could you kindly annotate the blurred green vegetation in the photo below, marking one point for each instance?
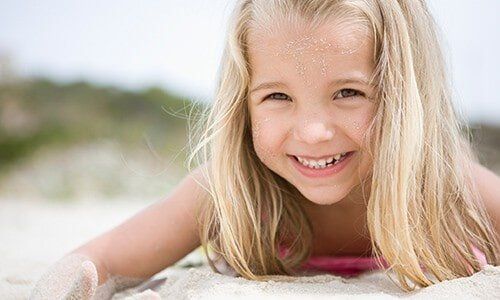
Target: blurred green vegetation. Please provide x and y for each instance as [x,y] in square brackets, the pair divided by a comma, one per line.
[40,112]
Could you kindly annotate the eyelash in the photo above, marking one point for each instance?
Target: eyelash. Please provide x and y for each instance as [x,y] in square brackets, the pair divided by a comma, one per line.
[358,94]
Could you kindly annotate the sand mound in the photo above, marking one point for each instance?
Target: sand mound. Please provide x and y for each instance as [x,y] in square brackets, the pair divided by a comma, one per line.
[202,283]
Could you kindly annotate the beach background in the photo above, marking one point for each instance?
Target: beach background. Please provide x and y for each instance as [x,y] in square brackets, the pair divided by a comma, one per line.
[93,105]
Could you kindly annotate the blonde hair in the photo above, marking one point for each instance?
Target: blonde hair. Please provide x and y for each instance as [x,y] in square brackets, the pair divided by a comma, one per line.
[423,209]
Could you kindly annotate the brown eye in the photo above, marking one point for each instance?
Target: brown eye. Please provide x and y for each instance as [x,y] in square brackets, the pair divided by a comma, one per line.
[346,93]
[277,96]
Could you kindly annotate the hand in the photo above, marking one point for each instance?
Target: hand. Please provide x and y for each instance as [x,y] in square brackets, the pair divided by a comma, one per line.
[72,277]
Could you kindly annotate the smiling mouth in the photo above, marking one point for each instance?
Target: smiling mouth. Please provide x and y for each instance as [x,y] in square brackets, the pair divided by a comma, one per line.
[321,169]
[322,163]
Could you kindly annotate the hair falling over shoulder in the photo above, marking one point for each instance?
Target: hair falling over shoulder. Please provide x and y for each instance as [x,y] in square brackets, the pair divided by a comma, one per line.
[423,209]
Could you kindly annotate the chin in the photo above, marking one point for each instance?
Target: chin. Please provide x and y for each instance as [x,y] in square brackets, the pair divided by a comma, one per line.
[328,201]
[327,196]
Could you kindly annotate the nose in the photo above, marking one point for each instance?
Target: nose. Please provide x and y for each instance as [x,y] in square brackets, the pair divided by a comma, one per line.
[313,132]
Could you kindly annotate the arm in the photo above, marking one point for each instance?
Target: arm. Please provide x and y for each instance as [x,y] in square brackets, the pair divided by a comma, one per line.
[154,238]
[488,184]
[143,245]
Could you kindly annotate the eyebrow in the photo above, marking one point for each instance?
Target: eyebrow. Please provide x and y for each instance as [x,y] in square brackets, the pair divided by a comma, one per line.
[276,84]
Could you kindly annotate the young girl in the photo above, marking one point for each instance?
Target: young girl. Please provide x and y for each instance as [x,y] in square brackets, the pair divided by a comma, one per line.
[331,145]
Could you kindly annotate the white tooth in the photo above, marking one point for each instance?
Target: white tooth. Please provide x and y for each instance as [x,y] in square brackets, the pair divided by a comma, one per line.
[336,156]
[320,164]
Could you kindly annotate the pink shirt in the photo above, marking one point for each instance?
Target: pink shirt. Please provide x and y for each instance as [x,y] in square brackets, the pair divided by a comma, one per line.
[352,265]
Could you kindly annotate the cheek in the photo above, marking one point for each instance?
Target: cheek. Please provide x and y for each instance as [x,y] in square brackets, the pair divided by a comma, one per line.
[268,135]
[357,124]
[359,131]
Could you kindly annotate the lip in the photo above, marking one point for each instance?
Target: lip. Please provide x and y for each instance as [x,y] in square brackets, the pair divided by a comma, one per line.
[318,173]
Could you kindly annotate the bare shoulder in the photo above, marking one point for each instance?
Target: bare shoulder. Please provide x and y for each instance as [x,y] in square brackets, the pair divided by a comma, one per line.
[488,184]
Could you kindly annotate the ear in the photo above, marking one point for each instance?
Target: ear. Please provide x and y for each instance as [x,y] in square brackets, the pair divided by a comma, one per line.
[488,184]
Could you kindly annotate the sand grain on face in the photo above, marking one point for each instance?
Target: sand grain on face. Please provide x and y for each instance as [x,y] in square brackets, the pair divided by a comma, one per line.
[311,65]
[309,51]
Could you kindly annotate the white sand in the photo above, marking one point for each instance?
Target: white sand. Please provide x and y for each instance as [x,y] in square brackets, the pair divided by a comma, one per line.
[34,235]
[202,283]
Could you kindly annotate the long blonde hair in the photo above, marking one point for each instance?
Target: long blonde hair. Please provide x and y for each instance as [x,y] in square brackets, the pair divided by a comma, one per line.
[423,210]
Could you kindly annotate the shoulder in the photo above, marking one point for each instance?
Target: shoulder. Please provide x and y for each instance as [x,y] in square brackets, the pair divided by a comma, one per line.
[198,176]
[197,183]
[488,184]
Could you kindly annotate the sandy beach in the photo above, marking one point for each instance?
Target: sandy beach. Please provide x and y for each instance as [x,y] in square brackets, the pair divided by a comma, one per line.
[35,234]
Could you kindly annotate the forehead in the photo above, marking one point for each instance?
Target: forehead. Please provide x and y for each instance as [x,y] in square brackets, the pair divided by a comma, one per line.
[333,48]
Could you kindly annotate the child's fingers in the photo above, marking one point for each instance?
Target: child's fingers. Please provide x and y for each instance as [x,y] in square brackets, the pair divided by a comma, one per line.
[85,283]
[59,278]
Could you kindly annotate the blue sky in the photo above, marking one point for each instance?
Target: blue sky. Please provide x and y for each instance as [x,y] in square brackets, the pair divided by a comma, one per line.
[177,44]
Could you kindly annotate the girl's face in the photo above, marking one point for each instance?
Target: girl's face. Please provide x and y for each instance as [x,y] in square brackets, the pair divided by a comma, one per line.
[309,100]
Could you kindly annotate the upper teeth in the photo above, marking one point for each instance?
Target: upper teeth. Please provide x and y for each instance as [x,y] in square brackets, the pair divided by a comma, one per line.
[320,163]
